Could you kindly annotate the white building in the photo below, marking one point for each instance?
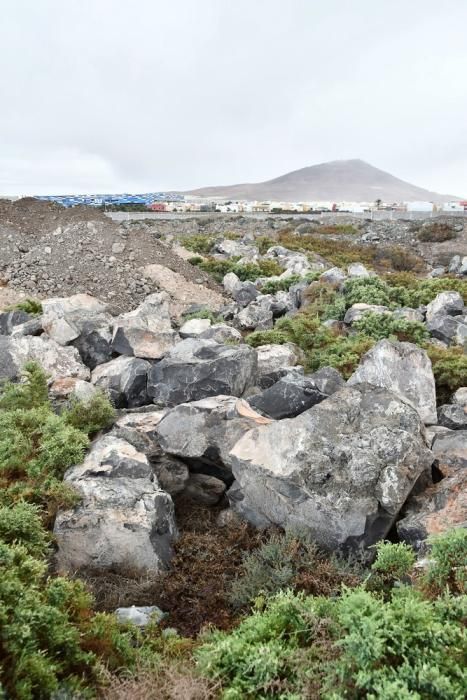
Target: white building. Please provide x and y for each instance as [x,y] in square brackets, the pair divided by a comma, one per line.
[419,206]
[453,206]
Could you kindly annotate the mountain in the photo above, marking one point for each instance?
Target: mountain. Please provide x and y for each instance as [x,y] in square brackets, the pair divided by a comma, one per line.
[338,180]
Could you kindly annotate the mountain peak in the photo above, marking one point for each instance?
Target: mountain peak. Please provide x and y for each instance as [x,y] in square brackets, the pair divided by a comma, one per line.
[352,180]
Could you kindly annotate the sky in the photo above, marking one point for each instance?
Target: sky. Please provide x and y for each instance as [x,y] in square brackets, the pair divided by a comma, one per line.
[119,96]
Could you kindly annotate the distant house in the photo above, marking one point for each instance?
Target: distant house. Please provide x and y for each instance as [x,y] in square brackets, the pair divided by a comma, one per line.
[420,206]
[158,206]
[453,206]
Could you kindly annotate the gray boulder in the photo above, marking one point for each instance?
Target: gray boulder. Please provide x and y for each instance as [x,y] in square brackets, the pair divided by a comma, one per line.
[357,311]
[147,331]
[275,361]
[123,518]
[404,369]
[460,396]
[445,304]
[203,432]
[205,489]
[194,327]
[222,333]
[140,615]
[196,369]
[357,270]
[82,321]
[453,416]
[295,393]
[335,277]
[140,430]
[257,315]
[57,361]
[341,470]
[244,293]
[125,381]
[10,319]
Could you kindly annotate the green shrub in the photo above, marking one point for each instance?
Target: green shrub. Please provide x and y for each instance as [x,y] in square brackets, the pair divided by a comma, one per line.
[380,326]
[448,562]
[199,243]
[393,564]
[31,392]
[22,524]
[92,415]
[244,271]
[336,229]
[204,313]
[29,306]
[366,290]
[436,232]
[449,369]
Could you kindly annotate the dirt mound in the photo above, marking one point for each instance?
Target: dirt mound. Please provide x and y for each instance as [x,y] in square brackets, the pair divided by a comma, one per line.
[47,250]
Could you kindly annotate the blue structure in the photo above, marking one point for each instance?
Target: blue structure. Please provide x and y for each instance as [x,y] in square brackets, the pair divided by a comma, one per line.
[98,200]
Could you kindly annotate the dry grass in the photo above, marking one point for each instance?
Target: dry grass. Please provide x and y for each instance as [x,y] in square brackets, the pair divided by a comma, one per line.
[194,592]
[168,683]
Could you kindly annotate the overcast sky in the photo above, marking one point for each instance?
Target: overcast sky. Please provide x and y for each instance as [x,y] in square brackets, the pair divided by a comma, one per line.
[112,95]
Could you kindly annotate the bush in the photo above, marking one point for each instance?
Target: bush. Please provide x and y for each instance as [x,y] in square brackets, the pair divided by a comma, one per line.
[449,369]
[436,233]
[448,562]
[22,524]
[378,326]
[199,243]
[29,306]
[245,271]
[336,229]
[90,416]
[204,313]
[393,564]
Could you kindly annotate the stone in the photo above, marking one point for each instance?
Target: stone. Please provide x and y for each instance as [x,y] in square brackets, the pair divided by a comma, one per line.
[442,505]
[196,369]
[205,489]
[357,311]
[448,329]
[123,518]
[222,333]
[460,396]
[80,320]
[56,361]
[445,304]
[341,470]
[257,315]
[194,328]
[274,361]
[233,248]
[10,319]
[231,282]
[453,416]
[147,331]
[140,615]
[404,369]
[31,327]
[140,430]
[357,270]
[282,303]
[409,314]
[203,432]
[72,388]
[295,393]
[124,379]
[245,293]
[455,264]
[118,247]
[335,277]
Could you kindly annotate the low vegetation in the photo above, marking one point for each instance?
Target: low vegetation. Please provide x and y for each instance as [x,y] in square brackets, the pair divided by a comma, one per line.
[29,306]
[436,233]
[244,271]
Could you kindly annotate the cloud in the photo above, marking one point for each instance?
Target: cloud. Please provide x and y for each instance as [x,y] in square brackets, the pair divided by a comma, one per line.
[106,94]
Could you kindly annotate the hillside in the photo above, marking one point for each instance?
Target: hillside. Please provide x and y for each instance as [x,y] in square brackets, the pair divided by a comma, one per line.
[340,180]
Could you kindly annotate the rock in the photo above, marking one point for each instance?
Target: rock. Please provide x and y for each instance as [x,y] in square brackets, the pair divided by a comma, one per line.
[10,319]
[57,361]
[31,327]
[257,315]
[453,416]
[196,369]
[203,432]
[409,314]
[460,396]
[140,615]
[118,247]
[140,430]
[438,272]
[357,270]
[72,388]
[455,264]
[445,304]
[205,489]
[274,361]
[448,329]
[124,379]
[231,282]
[147,331]
[228,518]
[443,505]
[335,277]
[341,470]
[82,321]
[404,369]
[357,311]
[236,248]
[294,393]
[194,328]
[292,262]
[245,293]
[123,519]
[282,303]
[222,333]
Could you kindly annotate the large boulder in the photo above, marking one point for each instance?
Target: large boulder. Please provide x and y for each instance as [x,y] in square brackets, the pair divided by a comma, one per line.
[295,393]
[453,416]
[358,311]
[406,370]
[123,518]
[140,430]
[445,304]
[147,331]
[274,361]
[341,470]
[125,380]
[442,505]
[10,319]
[82,321]
[57,361]
[257,315]
[203,432]
[446,318]
[222,333]
[196,369]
